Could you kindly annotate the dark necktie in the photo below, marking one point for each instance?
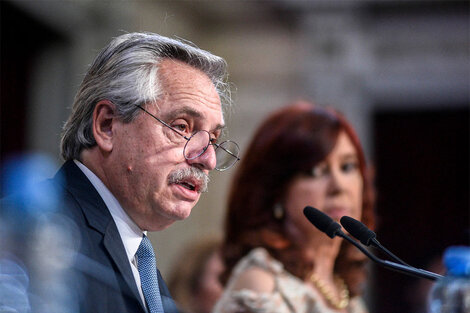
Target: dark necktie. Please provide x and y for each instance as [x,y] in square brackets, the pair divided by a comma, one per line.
[147,267]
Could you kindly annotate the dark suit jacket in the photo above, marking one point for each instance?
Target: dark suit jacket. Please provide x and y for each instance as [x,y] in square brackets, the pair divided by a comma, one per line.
[106,283]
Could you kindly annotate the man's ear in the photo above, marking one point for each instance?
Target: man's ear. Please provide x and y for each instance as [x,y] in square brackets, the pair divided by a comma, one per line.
[103,119]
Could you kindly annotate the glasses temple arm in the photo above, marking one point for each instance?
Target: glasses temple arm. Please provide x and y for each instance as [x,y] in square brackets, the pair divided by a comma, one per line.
[163,122]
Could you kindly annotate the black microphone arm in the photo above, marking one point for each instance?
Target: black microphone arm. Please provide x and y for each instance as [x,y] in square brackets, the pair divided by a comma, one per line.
[405,269]
[323,222]
[360,231]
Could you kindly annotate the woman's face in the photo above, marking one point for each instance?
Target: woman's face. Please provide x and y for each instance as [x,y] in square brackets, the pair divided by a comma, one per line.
[334,187]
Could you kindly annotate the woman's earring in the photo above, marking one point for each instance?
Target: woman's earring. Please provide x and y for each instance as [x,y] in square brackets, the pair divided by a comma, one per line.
[278,211]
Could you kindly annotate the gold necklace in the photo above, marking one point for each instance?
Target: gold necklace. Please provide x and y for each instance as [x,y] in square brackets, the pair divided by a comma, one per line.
[343,300]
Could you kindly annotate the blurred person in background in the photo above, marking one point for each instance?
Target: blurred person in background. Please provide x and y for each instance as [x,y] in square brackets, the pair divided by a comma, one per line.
[138,148]
[276,261]
[195,279]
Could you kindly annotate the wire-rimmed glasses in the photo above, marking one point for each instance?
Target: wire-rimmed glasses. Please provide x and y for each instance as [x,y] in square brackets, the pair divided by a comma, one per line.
[227,152]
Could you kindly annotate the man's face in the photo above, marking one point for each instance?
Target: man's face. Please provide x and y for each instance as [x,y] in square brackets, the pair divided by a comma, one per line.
[146,154]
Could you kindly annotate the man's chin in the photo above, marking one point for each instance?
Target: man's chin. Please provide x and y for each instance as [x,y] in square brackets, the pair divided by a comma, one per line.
[162,219]
[180,212]
[184,213]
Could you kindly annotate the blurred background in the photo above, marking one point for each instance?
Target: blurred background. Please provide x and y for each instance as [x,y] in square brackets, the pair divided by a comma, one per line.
[399,70]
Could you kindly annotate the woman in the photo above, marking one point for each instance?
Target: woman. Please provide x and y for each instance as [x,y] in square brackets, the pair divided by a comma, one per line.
[277,261]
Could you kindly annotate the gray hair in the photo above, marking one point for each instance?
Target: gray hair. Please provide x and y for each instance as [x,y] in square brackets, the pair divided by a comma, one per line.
[125,73]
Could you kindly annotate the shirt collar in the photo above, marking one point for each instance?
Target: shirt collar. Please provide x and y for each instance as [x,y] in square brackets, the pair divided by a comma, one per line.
[130,233]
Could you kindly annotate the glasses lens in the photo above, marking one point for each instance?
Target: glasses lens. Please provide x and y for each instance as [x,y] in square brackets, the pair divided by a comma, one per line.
[227,155]
[196,145]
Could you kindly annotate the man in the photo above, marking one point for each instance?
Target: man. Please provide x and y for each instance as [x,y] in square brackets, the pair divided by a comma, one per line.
[139,144]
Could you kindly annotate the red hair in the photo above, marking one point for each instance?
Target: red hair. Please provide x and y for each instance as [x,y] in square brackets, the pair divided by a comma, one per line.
[290,141]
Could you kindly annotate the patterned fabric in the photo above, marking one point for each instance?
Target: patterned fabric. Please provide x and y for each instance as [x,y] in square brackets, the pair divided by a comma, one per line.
[290,294]
[148,276]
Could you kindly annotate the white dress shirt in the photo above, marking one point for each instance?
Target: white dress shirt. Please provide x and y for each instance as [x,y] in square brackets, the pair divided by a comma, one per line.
[130,233]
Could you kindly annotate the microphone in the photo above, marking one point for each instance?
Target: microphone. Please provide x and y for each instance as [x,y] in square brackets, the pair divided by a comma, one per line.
[327,225]
[322,221]
[366,236]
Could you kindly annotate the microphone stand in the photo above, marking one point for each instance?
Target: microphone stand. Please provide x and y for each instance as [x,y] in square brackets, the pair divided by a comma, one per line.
[392,265]
[377,244]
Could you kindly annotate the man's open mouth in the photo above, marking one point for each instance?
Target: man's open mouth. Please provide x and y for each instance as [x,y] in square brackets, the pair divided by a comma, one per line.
[188,185]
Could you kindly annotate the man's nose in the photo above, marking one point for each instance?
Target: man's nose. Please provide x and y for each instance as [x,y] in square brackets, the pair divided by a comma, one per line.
[206,160]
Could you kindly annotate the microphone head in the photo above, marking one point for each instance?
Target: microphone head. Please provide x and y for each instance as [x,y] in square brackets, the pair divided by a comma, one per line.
[322,221]
[357,229]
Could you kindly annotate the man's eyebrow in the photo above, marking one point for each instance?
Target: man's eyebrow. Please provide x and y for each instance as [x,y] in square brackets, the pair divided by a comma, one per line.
[191,112]
[220,127]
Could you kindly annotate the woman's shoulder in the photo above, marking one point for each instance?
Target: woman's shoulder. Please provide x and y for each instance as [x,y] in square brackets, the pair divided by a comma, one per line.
[261,259]
[256,271]
[253,286]
[255,279]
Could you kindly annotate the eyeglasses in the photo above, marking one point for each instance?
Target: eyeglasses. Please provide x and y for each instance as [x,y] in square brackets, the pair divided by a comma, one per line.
[226,152]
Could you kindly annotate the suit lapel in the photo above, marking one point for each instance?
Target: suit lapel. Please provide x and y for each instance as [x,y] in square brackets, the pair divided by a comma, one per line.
[99,218]
[113,243]
[169,305]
